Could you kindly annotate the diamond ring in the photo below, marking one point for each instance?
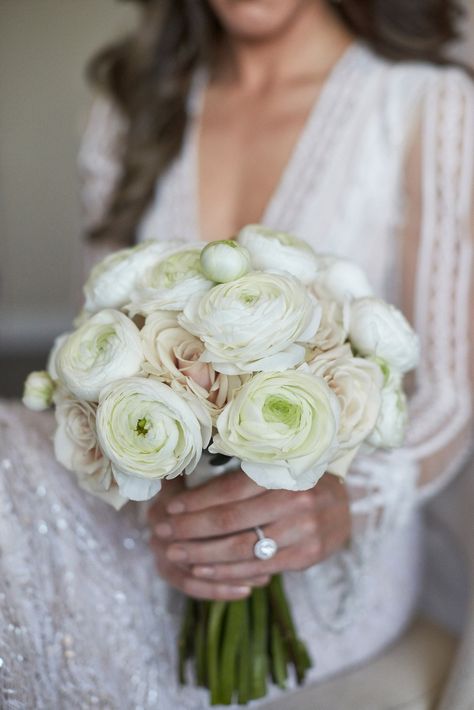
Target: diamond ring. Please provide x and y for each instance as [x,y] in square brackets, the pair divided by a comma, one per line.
[265,548]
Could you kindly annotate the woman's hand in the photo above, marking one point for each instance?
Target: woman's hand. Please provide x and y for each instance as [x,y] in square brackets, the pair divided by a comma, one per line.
[207,534]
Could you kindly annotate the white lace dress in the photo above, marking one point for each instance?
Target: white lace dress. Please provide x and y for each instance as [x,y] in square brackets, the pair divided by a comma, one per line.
[382,173]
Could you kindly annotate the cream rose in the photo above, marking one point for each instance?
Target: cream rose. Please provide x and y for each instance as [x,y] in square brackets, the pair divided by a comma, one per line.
[271,250]
[105,348]
[172,354]
[357,383]
[112,281]
[334,326]
[258,322]
[38,391]
[76,447]
[170,283]
[283,426]
[149,432]
[379,329]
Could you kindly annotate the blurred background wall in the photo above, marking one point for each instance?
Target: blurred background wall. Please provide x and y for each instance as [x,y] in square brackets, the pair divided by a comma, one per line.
[44,45]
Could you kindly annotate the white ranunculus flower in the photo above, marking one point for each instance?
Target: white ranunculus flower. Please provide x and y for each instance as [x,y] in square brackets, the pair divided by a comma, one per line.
[379,329]
[51,364]
[172,354]
[224,261]
[149,432]
[112,281]
[272,250]
[357,382]
[391,423]
[105,348]
[76,447]
[342,279]
[170,283]
[283,427]
[257,322]
[38,391]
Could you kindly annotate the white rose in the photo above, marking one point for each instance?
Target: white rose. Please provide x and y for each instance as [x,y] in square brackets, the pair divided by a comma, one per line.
[105,348]
[149,432]
[224,261]
[38,391]
[378,328]
[169,284]
[391,423]
[357,384]
[112,281]
[342,279]
[257,322]
[172,354]
[283,426]
[271,250]
[76,447]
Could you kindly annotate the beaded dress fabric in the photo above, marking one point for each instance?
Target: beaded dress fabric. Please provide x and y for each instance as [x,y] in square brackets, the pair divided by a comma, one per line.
[383,174]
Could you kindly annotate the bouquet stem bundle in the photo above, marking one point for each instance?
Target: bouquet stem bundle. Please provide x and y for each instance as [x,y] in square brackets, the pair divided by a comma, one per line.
[234,647]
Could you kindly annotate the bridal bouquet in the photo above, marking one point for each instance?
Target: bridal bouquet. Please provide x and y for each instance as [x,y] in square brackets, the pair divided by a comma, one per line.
[256,348]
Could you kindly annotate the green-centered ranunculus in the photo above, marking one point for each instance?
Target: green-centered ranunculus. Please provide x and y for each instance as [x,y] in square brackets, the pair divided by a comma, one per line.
[283,427]
[149,432]
[168,284]
[103,349]
[112,281]
[258,322]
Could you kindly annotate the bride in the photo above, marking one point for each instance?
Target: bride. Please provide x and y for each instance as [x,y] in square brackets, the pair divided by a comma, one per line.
[343,125]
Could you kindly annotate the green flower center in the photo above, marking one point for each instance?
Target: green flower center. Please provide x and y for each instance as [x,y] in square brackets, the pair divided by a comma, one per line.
[279,409]
[176,268]
[143,426]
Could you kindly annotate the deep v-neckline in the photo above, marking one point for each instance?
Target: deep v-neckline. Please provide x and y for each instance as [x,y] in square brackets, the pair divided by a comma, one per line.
[283,202]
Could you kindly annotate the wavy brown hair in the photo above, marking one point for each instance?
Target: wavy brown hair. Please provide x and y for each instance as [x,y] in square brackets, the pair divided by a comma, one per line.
[148,76]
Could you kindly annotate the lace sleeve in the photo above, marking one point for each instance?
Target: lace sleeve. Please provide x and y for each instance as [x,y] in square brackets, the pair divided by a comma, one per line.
[438,297]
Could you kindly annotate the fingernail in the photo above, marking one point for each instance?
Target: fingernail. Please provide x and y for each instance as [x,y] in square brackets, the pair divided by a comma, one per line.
[176,506]
[163,530]
[177,554]
[204,571]
[241,590]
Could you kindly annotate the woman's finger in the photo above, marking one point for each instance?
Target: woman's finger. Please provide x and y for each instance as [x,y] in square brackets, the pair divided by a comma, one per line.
[240,546]
[227,488]
[228,518]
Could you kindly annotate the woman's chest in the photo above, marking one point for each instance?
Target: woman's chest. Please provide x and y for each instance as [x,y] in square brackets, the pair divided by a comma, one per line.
[243,146]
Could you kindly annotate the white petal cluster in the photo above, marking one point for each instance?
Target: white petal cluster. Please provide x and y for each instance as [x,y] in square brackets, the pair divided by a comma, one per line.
[381,330]
[283,426]
[341,279]
[256,323]
[149,433]
[113,280]
[170,283]
[271,250]
[105,348]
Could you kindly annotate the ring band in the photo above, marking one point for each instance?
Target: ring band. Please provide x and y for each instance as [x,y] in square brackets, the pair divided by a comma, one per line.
[265,548]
